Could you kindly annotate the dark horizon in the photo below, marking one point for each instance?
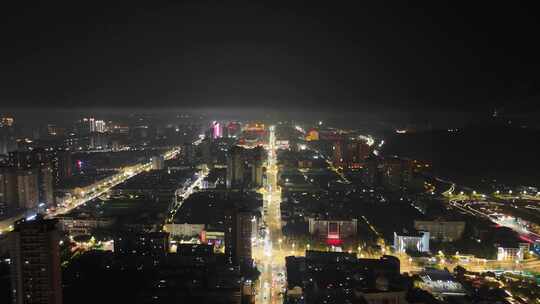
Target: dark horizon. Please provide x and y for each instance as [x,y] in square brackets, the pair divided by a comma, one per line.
[468,58]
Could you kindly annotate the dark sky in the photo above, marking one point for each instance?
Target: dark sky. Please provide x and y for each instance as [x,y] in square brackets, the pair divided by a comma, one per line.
[200,54]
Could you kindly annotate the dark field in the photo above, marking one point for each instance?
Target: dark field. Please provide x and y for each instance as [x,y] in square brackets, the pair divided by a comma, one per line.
[475,156]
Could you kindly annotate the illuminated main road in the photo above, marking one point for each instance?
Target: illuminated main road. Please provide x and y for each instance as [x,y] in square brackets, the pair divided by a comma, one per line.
[270,255]
[182,194]
[97,190]
[107,184]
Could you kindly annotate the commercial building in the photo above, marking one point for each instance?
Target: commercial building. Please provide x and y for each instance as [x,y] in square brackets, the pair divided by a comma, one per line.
[512,253]
[415,241]
[447,231]
[74,225]
[35,262]
[184,229]
[327,228]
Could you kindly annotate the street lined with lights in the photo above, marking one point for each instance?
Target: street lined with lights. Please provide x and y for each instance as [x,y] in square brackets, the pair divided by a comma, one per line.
[271,256]
[100,188]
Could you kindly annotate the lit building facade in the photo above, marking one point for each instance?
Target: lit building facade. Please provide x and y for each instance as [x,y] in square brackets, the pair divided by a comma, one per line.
[100,126]
[217,130]
[418,242]
[333,229]
[512,253]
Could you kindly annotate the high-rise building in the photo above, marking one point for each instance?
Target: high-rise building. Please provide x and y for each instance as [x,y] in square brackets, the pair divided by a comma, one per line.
[54,130]
[245,167]
[8,187]
[397,173]
[189,153]
[99,141]
[6,122]
[238,234]
[100,126]
[217,130]
[235,167]
[371,172]
[27,188]
[92,124]
[35,262]
[8,141]
[350,154]
[20,187]
[233,129]
[158,162]
[36,162]
[61,165]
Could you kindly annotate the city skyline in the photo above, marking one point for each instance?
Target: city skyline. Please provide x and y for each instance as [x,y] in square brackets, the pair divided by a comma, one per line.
[269,153]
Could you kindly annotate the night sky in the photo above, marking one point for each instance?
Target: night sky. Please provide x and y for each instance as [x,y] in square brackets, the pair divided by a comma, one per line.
[467,58]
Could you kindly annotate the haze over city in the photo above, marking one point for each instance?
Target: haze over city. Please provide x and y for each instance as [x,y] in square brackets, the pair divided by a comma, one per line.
[250,152]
